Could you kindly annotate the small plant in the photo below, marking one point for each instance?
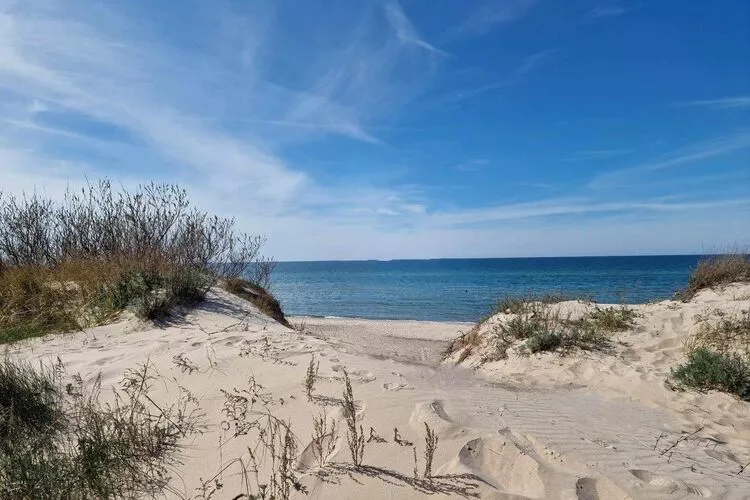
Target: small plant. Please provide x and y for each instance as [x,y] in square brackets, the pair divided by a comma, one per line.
[375,437]
[311,377]
[399,440]
[611,319]
[544,341]
[268,467]
[324,438]
[430,443]
[184,364]
[355,437]
[300,326]
[706,370]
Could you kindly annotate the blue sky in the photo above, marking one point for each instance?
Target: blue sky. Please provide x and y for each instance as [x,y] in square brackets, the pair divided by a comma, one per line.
[382,129]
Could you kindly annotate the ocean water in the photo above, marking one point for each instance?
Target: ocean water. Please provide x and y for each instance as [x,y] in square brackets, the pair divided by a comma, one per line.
[464,289]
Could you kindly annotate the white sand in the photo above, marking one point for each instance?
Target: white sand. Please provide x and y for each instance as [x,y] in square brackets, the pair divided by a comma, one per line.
[539,427]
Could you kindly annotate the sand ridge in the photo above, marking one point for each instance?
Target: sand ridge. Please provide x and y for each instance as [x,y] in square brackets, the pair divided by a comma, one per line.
[554,428]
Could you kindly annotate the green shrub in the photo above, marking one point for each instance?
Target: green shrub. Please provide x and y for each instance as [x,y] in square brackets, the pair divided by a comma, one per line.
[544,341]
[707,370]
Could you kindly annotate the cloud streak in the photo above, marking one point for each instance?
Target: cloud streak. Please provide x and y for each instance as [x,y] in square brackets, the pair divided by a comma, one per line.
[726,103]
[705,150]
[489,15]
[405,30]
[598,154]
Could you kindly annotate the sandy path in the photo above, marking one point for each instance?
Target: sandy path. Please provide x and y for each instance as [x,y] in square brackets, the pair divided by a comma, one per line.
[496,440]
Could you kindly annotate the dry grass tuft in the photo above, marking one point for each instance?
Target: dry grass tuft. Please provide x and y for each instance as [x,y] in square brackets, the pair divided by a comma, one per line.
[722,332]
[310,377]
[430,445]
[258,296]
[717,270]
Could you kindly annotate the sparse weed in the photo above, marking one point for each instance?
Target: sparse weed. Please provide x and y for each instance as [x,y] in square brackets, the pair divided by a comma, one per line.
[310,377]
[430,443]
[324,438]
[723,333]
[355,436]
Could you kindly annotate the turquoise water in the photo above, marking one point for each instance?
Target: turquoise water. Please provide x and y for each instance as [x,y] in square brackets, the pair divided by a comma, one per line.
[463,289]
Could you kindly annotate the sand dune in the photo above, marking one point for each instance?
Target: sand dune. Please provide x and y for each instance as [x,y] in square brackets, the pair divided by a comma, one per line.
[588,426]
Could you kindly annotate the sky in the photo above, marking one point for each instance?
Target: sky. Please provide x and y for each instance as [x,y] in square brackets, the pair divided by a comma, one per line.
[379,129]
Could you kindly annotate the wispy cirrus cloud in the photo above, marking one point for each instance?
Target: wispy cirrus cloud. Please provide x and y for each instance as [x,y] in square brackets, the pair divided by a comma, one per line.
[211,115]
[725,103]
[529,64]
[488,15]
[597,154]
[698,152]
[405,30]
[612,9]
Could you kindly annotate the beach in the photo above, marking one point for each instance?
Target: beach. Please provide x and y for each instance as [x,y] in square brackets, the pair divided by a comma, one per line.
[588,425]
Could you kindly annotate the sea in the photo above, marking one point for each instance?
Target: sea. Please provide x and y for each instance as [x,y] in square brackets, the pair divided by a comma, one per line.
[465,289]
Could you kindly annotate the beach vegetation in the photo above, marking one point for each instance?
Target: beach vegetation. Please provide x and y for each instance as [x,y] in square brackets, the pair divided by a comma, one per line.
[80,261]
[518,304]
[355,436]
[540,326]
[717,270]
[709,370]
[430,445]
[257,295]
[311,376]
[722,332]
[57,440]
[611,319]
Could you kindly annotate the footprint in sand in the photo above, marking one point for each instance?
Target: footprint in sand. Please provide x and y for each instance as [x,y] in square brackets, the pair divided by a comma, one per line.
[505,466]
[433,414]
[390,387]
[334,360]
[589,488]
[666,484]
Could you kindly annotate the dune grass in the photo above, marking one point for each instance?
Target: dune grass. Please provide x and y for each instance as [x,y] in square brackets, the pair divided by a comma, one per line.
[257,295]
[57,440]
[81,261]
[539,326]
[717,270]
